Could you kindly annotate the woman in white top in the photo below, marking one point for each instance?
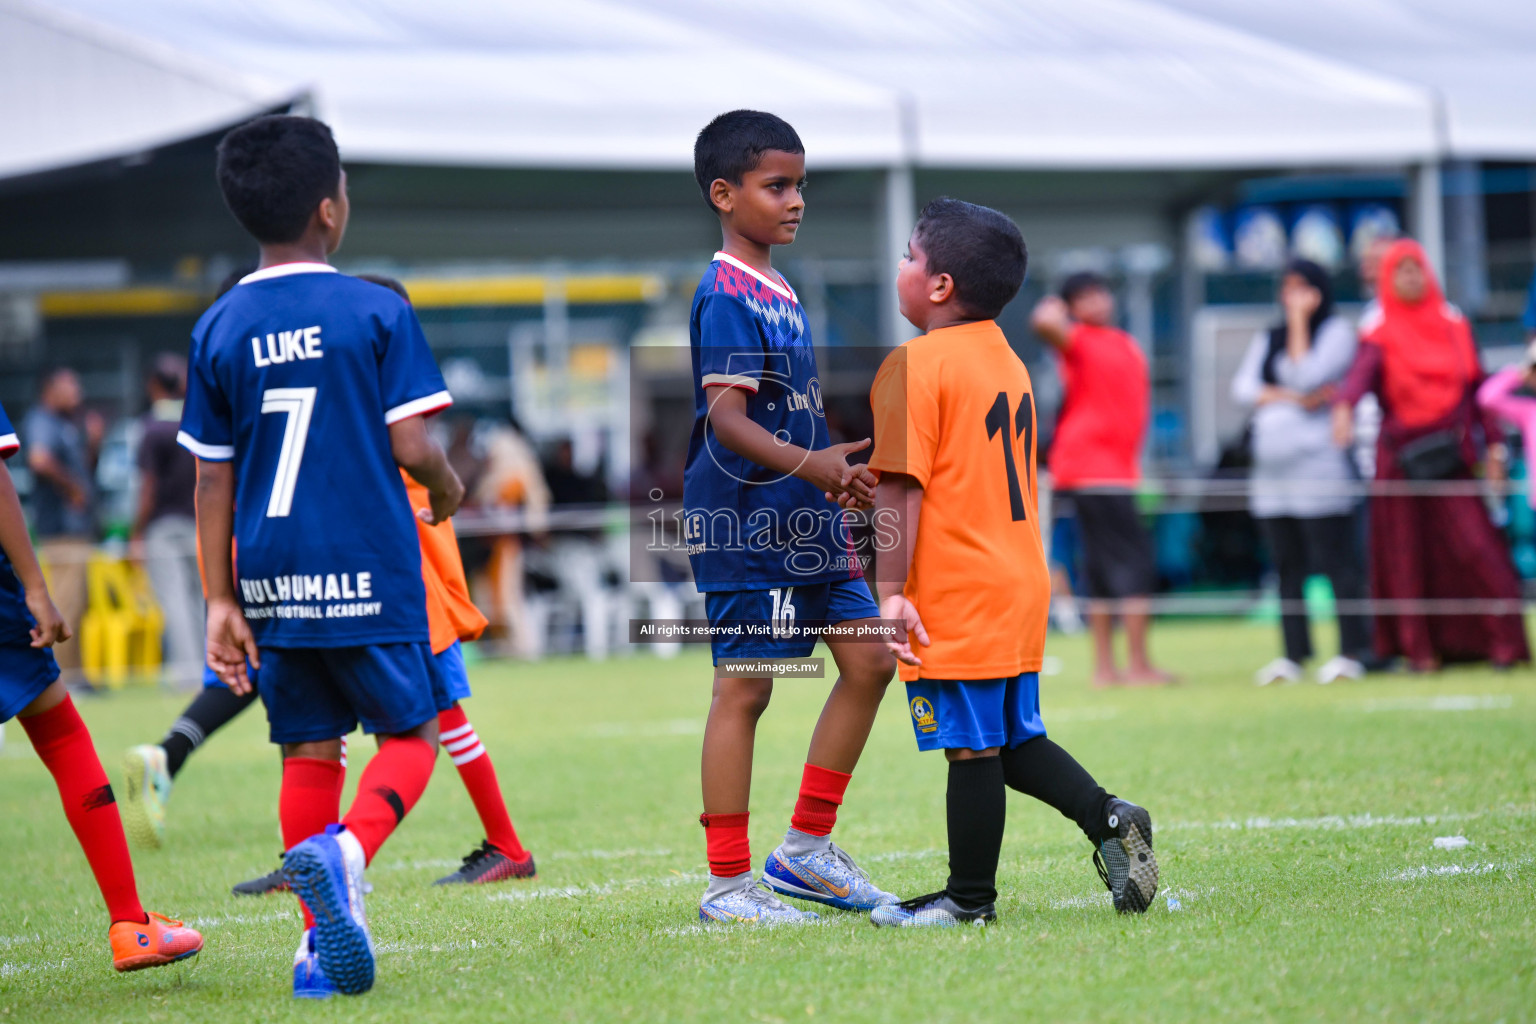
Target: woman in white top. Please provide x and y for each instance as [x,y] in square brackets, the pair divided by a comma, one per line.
[1303,486]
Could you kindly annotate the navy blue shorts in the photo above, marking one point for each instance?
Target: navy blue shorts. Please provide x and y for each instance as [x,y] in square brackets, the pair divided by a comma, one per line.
[320,693]
[25,672]
[975,714]
[840,601]
[450,680]
[211,680]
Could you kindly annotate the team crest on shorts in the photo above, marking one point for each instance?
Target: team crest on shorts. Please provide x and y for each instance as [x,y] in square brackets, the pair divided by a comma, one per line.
[922,714]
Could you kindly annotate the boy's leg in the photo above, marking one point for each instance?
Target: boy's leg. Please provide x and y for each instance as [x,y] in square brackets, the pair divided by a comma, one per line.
[1101,625]
[64,745]
[391,785]
[310,799]
[1043,770]
[210,711]
[976,809]
[730,732]
[463,745]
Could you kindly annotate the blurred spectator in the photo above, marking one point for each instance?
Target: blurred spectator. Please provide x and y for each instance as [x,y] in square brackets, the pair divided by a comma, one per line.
[164,528]
[511,478]
[62,445]
[1095,465]
[1301,481]
[1419,358]
[1511,395]
[578,556]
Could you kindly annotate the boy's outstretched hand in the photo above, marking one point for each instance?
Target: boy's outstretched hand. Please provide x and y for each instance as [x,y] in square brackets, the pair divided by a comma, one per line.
[829,471]
[898,608]
[51,628]
[230,643]
[444,503]
[849,501]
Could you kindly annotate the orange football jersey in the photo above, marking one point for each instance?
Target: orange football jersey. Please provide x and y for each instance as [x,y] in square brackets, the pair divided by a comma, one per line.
[451,615]
[955,410]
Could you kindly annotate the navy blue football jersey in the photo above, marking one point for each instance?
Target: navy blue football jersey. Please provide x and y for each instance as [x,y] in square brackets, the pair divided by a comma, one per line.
[16,621]
[295,375]
[747,527]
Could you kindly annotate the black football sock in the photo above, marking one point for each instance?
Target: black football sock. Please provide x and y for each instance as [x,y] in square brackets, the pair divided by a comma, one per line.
[208,712]
[1041,769]
[977,807]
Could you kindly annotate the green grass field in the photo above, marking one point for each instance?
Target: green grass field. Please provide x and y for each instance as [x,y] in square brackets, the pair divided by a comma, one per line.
[1295,826]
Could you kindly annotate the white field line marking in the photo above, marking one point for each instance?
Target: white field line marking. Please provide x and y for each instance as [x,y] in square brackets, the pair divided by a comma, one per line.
[214,922]
[1452,870]
[597,888]
[669,727]
[1104,899]
[1443,702]
[886,858]
[8,969]
[1333,822]
[226,954]
[7,941]
[425,865]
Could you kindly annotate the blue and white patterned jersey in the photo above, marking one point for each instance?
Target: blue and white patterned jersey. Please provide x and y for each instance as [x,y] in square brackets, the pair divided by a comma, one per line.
[747,527]
[16,621]
[296,375]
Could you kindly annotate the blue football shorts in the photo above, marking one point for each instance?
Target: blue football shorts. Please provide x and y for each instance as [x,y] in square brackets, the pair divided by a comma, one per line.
[838,601]
[450,680]
[320,693]
[25,672]
[211,680]
[975,714]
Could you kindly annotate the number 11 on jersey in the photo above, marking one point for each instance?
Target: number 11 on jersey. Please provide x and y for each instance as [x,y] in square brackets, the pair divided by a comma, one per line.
[1023,423]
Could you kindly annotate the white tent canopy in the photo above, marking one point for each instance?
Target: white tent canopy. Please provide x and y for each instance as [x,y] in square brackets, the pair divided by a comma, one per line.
[74,90]
[1477,56]
[959,83]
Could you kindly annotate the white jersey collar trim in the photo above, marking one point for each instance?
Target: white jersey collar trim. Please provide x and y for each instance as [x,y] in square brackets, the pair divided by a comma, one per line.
[781,286]
[284,269]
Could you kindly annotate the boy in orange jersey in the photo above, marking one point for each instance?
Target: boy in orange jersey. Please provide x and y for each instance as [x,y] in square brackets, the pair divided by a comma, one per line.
[955,450]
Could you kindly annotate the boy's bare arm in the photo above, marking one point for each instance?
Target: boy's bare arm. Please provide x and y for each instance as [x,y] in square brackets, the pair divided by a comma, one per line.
[898,509]
[1052,322]
[230,641]
[419,455]
[51,627]
[827,469]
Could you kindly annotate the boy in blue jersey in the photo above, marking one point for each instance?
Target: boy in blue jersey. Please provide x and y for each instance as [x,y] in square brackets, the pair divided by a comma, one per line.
[30,689]
[764,493]
[306,391]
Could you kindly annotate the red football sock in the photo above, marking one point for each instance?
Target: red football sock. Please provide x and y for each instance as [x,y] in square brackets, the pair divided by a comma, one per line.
[310,800]
[63,742]
[463,745]
[725,837]
[821,792]
[391,784]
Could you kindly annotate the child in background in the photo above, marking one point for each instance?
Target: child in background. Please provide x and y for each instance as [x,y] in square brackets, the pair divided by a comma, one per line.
[30,689]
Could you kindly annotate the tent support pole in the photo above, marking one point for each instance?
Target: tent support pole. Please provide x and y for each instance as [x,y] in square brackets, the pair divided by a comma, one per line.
[897,220]
[1428,216]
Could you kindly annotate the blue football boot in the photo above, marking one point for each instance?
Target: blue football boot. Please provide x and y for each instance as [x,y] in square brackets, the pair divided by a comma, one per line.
[309,981]
[326,872]
[826,876]
[752,904]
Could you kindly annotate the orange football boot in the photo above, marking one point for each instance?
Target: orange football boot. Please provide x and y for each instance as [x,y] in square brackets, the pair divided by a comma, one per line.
[159,942]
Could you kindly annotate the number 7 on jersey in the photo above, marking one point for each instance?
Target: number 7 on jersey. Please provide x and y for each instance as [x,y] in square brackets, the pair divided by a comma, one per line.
[298,404]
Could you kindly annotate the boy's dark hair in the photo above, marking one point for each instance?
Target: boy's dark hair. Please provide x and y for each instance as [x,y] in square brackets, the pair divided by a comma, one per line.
[385,281]
[169,372]
[734,143]
[274,171]
[981,249]
[1082,281]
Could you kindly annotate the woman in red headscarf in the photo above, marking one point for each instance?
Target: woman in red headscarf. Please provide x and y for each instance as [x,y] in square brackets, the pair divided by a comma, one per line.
[1417,355]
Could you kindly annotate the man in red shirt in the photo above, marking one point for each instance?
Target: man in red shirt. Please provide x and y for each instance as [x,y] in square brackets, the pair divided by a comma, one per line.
[1095,465]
